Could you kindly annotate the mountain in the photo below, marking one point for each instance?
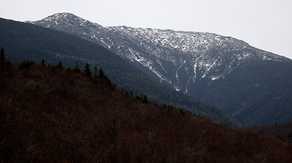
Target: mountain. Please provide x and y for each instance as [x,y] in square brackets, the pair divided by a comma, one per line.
[250,84]
[22,41]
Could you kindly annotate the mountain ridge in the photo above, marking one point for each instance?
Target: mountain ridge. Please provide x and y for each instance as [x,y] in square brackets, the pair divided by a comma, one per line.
[190,62]
[188,46]
[23,41]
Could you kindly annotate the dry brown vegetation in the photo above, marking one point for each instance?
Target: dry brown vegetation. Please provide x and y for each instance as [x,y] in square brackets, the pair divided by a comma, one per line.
[62,116]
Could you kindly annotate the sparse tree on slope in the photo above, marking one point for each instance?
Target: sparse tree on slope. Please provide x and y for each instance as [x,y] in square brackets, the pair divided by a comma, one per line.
[2,56]
[100,73]
[87,70]
[76,68]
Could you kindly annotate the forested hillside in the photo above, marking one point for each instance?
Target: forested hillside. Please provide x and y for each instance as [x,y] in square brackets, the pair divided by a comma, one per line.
[282,131]
[49,114]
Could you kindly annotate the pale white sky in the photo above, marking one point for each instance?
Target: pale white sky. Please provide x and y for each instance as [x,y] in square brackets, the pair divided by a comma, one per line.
[265,24]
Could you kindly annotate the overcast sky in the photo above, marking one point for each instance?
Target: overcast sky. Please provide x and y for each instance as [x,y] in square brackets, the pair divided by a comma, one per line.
[265,24]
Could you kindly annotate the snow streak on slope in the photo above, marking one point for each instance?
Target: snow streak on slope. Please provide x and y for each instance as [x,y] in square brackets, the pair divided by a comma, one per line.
[207,52]
[176,57]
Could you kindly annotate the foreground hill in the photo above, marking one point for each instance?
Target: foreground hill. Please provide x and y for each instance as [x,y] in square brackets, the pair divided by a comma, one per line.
[52,115]
[23,41]
[252,85]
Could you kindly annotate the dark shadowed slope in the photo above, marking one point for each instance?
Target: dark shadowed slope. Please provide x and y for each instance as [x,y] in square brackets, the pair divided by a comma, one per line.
[52,115]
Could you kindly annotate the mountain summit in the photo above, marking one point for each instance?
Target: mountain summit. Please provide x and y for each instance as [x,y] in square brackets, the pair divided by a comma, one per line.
[176,57]
[242,80]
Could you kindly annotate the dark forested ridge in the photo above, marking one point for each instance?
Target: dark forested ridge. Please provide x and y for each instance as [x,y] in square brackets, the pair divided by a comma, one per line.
[48,114]
[30,42]
[282,131]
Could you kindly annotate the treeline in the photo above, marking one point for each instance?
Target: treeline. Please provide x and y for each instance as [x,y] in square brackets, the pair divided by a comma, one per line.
[282,131]
[52,114]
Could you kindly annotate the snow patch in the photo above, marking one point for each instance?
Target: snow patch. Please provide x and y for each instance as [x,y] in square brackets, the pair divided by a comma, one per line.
[135,56]
[267,58]
[105,43]
[176,88]
[176,73]
[215,78]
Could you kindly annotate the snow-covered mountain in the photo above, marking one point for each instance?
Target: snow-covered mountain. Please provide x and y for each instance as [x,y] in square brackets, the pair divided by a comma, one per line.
[190,62]
[176,57]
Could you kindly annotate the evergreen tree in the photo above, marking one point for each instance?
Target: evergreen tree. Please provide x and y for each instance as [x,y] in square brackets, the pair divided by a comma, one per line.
[100,73]
[182,112]
[69,69]
[76,68]
[95,72]
[87,70]
[60,65]
[26,64]
[43,62]
[144,99]
[2,52]
[2,56]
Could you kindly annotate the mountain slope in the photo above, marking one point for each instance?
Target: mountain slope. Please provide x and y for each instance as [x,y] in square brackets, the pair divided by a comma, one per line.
[23,41]
[191,62]
[55,115]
